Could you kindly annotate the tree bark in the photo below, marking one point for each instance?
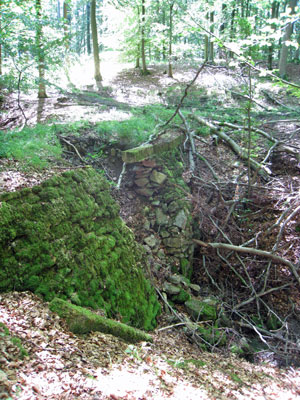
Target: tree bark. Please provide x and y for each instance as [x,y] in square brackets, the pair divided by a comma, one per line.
[58,10]
[286,37]
[0,43]
[170,69]
[97,74]
[144,65]
[88,28]
[274,14]
[40,51]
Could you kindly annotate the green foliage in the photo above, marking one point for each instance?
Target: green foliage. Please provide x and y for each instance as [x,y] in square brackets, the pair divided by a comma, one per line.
[33,146]
[4,331]
[137,129]
[184,364]
[65,238]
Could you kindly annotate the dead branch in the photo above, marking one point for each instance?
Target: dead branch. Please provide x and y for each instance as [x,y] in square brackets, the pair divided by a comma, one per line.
[190,136]
[185,94]
[243,96]
[263,170]
[250,250]
[281,146]
[72,145]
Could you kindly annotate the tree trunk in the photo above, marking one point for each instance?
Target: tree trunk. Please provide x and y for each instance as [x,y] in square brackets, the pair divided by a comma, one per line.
[88,28]
[66,25]
[0,43]
[144,66]
[211,43]
[286,37]
[58,10]
[40,51]
[274,14]
[97,74]
[170,69]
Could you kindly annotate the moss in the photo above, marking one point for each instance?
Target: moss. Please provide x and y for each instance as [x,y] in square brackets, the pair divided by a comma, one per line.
[81,320]
[181,297]
[71,243]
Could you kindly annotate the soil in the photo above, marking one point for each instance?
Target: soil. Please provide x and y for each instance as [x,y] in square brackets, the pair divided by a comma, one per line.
[96,366]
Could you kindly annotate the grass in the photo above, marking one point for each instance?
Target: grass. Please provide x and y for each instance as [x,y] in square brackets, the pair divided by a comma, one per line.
[32,146]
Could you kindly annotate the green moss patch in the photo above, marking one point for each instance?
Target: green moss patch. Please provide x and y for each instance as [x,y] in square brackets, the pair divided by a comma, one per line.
[65,239]
[80,320]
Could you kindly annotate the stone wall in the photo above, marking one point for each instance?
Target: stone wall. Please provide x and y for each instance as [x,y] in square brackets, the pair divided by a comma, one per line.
[167,211]
[65,238]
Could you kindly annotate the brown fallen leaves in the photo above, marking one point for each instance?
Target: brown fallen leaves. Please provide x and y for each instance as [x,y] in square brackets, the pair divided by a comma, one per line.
[62,366]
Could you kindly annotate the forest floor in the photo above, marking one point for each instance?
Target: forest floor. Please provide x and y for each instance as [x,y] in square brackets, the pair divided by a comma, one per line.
[60,365]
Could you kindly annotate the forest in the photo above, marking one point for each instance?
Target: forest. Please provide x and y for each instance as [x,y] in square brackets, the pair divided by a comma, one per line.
[149,199]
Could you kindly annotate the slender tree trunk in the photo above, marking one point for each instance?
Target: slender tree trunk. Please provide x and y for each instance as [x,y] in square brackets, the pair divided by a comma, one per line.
[287,35]
[274,14]
[232,26]
[66,26]
[211,43]
[97,74]
[143,54]
[163,41]
[137,61]
[170,69]
[0,43]
[88,28]
[58,10]
[40,51]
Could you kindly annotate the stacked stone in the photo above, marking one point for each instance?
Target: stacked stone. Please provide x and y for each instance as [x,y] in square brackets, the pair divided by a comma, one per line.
[168,215]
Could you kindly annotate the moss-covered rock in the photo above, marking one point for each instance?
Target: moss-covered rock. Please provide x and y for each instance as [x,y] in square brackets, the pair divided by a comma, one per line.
[65,239]
[80,320]
[201,310]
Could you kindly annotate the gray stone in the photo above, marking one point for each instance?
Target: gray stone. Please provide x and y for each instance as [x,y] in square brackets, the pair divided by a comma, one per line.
[161,254]
[158,177]
[173,207]
[147,248]
[155,203]
[177,243]
[180,220]
[201,310]
[146,192]
[151,241]
[195,288]
[175,279]
[164,234]
[146,225]
[142,182]
[171,289]
[161,218]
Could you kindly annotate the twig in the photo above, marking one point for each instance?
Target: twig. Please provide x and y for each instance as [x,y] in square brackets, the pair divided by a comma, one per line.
[72,145]
[121,175]
[192,149]
[251,250]
[234,146]
[185,94]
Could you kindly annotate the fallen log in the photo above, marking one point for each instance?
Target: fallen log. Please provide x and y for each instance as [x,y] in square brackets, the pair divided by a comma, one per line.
[81,320]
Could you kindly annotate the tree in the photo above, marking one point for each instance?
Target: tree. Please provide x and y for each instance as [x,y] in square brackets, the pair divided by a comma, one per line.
[40,51]
[287,36]
[88,28]
[97,74]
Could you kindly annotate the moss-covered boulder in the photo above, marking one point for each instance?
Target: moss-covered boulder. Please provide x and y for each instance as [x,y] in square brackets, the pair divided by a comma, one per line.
[201,310]
[65,239]
[80,320]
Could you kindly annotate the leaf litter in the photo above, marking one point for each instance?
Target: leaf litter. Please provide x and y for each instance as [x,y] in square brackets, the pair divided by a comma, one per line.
[59,365]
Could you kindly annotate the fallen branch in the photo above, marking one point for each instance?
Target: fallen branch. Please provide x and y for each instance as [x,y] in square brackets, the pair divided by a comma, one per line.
[281,146]
[263,170]
[243,96]
[72,145]
[250,250]
[185,94]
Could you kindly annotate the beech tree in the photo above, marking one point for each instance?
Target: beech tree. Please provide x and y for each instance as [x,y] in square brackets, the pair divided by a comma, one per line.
[286,38]
[40,51]
[97,74]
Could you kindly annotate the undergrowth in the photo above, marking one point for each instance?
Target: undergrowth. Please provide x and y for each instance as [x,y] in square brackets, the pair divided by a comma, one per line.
[32,146]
